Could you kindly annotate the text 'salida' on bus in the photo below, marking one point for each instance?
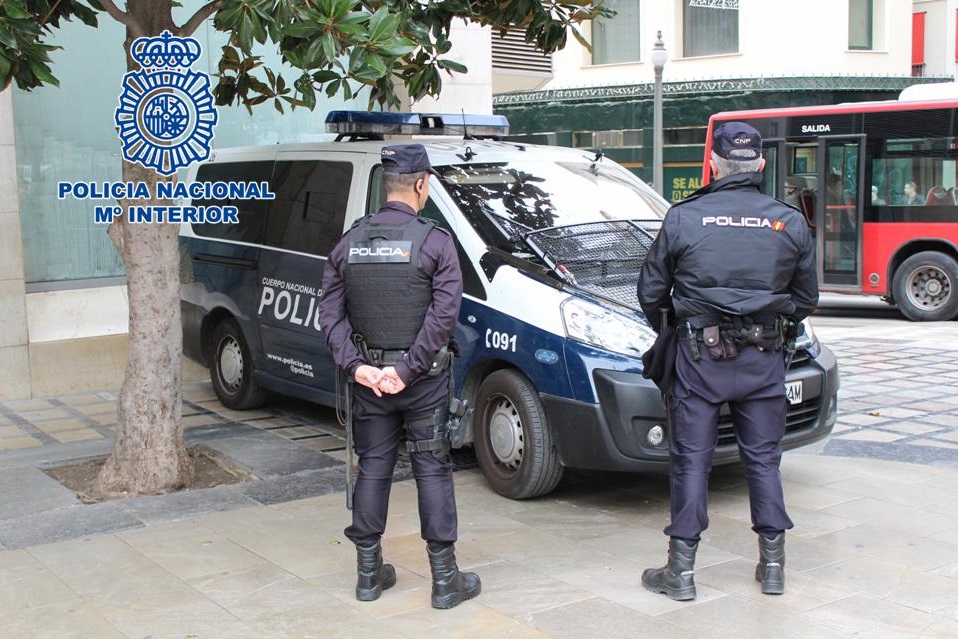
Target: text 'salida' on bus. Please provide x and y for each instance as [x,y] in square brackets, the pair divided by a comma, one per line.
[878,184]
[550,335]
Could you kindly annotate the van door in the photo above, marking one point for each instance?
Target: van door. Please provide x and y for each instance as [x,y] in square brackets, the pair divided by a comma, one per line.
[306,220]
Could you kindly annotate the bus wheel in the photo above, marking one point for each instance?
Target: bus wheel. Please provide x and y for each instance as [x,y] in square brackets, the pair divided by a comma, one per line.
[513,442]
[926,287]
[231,368]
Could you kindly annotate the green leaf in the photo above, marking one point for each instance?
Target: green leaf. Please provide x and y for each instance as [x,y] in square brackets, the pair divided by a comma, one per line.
[382,24]
[322,77]
[244,33]
[449,65]
[42,72]
[330,45]
[357,59]
[303,29]
[376,63]
[578,36]
[15,9]
[397,48]
[7,39]
[259,31]
[340,8]
[332,88]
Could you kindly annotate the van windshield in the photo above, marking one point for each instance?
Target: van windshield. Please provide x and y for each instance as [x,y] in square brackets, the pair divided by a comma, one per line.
[508,198]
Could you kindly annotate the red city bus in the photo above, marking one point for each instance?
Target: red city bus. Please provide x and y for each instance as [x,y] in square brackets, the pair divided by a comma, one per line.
[878,184]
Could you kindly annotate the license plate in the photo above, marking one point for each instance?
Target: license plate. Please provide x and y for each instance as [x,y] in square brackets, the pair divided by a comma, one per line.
[793,391]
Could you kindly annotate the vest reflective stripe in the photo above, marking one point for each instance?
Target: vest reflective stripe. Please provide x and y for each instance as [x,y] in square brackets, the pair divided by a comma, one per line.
[402,287]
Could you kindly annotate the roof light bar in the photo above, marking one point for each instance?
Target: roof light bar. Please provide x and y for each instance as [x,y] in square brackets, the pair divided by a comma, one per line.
[387,123]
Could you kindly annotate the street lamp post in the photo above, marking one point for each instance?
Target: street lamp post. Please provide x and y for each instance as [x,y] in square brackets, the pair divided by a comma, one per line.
[659,57]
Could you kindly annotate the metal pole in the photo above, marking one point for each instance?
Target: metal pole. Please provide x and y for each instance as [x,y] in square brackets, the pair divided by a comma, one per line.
[657,179]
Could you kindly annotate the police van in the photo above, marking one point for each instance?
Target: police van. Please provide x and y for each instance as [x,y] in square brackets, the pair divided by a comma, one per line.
[550,240]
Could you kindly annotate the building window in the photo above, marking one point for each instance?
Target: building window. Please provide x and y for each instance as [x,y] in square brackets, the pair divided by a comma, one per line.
[709,27]
[861,25]
[617,39]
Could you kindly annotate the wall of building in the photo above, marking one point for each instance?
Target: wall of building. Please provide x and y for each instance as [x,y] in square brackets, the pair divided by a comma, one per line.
[469,92]
[14,357]
[775,39]
[940,19]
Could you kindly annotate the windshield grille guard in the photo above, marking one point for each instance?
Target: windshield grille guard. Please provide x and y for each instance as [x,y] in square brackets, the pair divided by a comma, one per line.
[602,258]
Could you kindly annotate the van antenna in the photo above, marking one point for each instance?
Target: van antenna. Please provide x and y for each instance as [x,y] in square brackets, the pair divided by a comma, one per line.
[465,131]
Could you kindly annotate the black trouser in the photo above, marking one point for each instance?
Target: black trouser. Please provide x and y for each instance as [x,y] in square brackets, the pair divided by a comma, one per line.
[753,384]
[377,428]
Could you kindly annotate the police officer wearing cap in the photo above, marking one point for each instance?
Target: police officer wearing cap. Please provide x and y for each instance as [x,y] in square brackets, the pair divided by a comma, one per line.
[391,294]
[736,270]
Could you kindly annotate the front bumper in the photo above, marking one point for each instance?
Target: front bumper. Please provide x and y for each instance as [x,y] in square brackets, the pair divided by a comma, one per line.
[614,433]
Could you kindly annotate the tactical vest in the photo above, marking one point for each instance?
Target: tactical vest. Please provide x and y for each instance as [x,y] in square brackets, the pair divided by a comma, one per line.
[387,291]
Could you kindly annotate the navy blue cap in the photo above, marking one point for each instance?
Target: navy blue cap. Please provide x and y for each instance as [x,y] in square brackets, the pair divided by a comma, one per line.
[737,141]
[405,158]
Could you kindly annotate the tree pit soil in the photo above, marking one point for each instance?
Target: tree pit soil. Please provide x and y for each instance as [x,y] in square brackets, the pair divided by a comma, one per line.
[209,470]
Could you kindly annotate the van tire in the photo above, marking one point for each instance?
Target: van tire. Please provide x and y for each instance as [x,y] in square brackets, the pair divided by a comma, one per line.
[231,368]
[926,287]
[514,445]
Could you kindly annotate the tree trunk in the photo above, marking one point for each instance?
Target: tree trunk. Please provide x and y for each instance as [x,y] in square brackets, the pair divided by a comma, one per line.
[148,455]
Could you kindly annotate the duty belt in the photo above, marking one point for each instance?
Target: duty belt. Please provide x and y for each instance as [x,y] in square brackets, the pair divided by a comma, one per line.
[383,357]
[724,338]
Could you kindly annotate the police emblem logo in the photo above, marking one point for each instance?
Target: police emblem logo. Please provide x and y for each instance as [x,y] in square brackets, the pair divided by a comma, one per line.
[166,113]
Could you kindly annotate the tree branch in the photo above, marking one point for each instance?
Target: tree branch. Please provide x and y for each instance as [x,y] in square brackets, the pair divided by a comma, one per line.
[123,18]
[198,18]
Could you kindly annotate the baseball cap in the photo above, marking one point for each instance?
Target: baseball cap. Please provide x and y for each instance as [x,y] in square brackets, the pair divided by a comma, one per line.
[405,158]
[737,141]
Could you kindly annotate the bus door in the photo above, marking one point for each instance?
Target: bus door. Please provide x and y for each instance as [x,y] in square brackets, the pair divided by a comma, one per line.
[838,214]
[774,168]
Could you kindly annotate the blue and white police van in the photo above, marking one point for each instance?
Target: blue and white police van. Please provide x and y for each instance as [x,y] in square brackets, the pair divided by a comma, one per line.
[551,241]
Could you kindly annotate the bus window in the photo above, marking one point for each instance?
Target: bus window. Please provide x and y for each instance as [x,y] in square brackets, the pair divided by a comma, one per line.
[802,180]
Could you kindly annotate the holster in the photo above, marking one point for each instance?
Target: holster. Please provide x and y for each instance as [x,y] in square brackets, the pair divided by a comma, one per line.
[719,344]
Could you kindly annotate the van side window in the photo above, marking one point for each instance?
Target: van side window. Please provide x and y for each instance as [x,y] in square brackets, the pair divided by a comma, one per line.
[251,213]
[376,196]
[310,206]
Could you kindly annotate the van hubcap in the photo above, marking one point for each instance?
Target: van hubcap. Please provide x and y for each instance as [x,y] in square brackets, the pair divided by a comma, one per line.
[231,364]
[505,433]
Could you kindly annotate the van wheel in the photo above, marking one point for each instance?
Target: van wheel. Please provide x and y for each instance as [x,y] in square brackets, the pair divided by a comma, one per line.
[513,442]
[231,368]
[926,287]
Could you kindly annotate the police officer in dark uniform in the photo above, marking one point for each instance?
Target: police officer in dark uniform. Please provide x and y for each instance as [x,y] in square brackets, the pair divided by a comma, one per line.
[391,294]
[736,269]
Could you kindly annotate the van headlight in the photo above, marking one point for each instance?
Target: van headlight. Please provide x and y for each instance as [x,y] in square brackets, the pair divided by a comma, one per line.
[808,340]
[602,327]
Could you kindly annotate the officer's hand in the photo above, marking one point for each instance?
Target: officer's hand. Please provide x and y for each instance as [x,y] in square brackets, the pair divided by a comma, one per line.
[391,382]
[370,377]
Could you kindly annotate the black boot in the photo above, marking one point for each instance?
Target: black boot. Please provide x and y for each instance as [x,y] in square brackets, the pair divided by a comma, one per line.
[771,564]
[449,586]
[675,579]
[374,575]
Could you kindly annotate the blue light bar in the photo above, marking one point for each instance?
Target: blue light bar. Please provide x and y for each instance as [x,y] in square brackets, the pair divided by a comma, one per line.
[387,123]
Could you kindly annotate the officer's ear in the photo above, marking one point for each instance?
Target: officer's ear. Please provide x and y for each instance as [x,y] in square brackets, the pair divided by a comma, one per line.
[761,167]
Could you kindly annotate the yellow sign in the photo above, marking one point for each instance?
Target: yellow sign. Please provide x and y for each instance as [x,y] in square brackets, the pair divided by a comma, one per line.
[682,187]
